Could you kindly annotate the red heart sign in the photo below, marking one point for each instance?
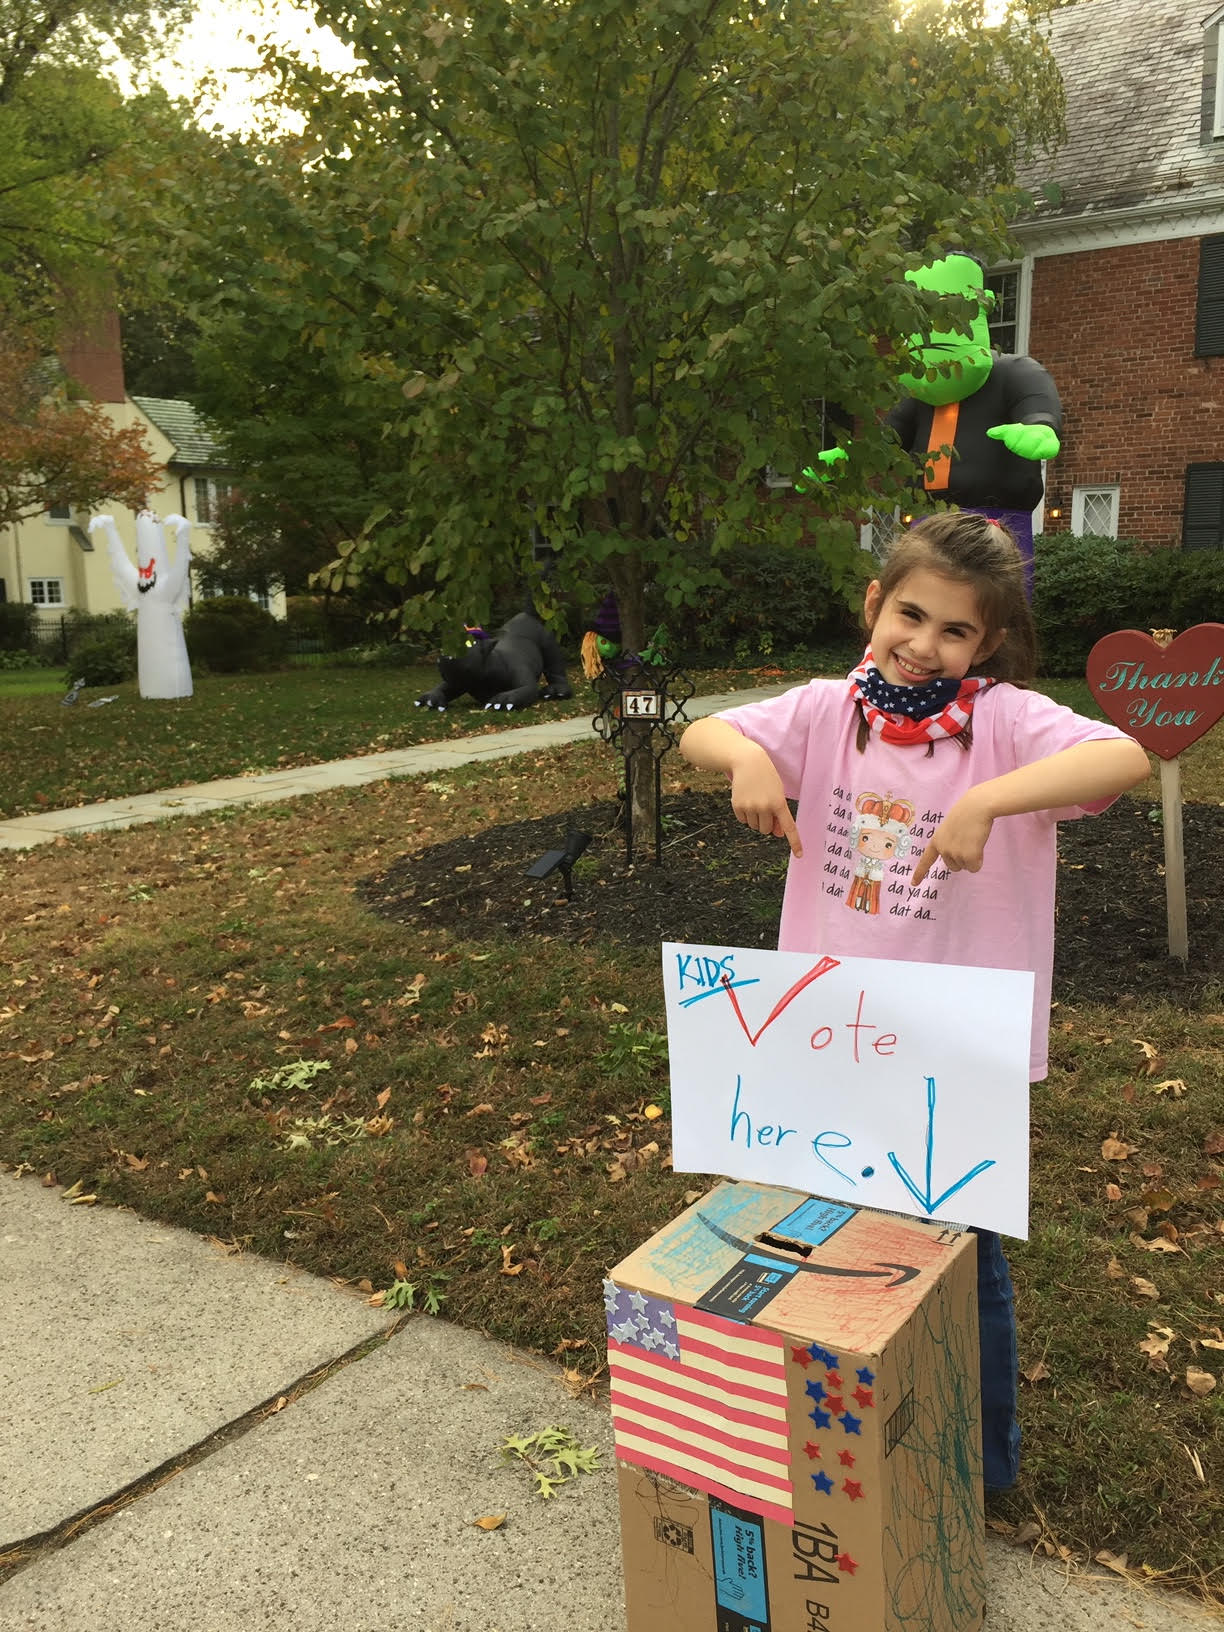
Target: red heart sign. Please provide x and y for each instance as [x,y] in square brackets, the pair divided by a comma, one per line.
[1166,697]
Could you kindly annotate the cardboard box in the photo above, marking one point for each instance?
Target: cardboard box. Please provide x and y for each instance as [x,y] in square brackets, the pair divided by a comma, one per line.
[796,1407]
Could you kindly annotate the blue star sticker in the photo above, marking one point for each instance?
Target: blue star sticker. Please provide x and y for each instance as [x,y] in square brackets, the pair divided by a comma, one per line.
[816,1390]
[825,1356]
[852,1425]
[866,1377]
[821,1418]
[822,1482]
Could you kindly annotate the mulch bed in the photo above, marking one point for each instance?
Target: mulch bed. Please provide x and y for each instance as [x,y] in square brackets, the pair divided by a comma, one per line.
[721,884]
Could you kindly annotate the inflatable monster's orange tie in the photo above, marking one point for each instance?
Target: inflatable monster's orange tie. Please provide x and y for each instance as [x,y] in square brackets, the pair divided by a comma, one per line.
[943,435]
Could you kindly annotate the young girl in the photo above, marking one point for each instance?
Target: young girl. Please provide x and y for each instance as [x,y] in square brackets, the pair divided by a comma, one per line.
[936,733]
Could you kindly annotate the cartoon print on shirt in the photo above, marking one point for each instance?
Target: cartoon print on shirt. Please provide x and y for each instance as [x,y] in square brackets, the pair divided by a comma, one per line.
[879,830]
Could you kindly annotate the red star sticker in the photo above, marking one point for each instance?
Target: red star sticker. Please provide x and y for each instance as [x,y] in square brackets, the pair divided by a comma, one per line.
[852,1489]
[846,1564]
[801,1357]
[812,1450]
[835,1404]
[833,1379]
[846,1458]
[863,1396]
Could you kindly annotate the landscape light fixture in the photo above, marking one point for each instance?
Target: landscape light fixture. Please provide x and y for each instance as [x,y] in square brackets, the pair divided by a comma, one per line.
[563,859]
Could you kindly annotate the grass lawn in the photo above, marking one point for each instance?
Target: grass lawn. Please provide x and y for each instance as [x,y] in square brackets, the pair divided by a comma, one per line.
[203,1022]
[234,725]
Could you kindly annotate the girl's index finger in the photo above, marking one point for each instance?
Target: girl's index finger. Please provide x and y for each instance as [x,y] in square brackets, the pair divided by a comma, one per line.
[784,828]
[925,862]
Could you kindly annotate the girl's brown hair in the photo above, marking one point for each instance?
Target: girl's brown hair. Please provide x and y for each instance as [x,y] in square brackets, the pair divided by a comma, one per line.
[982,553]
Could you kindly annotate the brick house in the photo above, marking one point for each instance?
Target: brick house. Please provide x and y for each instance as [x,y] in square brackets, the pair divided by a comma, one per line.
[1120,288]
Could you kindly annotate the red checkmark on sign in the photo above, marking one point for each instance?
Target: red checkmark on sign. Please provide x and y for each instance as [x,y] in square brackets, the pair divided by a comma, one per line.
[787,998]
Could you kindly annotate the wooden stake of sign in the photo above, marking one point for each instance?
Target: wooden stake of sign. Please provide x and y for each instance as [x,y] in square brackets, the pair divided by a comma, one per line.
[1175,857]
[1166,691]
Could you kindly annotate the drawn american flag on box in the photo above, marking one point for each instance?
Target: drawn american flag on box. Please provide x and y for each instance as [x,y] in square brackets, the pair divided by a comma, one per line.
[700,1399]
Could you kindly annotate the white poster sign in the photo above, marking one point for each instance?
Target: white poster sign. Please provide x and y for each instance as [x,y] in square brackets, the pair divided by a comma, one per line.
[902,1086]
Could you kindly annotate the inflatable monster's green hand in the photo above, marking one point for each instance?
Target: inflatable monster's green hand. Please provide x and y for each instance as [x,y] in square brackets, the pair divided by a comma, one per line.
[830,459]
[1027,441]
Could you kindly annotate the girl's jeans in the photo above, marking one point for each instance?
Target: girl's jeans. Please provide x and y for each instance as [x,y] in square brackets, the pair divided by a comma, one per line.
[997,1335]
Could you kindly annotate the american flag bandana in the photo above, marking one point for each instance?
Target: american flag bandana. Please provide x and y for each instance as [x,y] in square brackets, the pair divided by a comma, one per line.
[914,714]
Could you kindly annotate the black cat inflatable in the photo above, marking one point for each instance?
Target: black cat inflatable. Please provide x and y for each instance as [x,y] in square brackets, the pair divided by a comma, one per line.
[503,670]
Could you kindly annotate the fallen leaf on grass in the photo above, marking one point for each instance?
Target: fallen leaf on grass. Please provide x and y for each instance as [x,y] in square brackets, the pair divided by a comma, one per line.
[508,1268]
[1144,1288]
[491,1521]
[383,1098]
[1114,1149]
[1199,1382]
[652,1111]
[1157,1201]
[1112,1193]
[342,1024]
[1156,1346]
[478,1163]
[1213,1145]
[1114,1270]
[1039,1373]
[1173,1086]
[1150,1053]
[1159,1243]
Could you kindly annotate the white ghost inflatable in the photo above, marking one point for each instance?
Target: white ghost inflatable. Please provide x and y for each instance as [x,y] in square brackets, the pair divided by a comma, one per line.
[156,590]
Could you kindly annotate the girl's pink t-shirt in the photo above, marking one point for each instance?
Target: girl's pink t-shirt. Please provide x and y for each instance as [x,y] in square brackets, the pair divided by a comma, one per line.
[865,820]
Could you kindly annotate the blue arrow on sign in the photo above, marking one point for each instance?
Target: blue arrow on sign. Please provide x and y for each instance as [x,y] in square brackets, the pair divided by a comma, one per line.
[925,1200]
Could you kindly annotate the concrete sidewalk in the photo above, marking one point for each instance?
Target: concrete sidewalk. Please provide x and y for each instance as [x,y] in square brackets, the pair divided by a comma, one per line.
[24,832]
[351,1506]
[198,1441]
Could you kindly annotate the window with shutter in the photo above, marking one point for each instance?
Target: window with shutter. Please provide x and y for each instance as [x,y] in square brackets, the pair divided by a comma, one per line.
[1203,516]
[1209,316]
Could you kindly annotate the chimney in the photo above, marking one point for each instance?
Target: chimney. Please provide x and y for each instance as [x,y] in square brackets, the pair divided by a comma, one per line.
[93,358]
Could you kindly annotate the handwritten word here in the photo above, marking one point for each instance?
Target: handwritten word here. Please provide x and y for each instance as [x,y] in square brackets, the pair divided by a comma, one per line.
[902,1086]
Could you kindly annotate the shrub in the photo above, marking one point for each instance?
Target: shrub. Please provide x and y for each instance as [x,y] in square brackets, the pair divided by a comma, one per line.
[16,626]
[106,657]
[1086,587]
[779,602]
[232,635]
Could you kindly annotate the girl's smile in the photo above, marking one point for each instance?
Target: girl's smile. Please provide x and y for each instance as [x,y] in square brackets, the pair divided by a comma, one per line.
[928,628]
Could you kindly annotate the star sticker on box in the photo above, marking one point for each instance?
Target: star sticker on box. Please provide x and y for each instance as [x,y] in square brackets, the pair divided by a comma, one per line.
[801,1357]
[853,1489]
[813,1451]
[864,1397]
[822,1482]
[833,1380]
[822,1419]
[815,1390]
[846,1458]
[852,1425]
[846,1564]
[865,1376]
[836,1404]
[825,1357]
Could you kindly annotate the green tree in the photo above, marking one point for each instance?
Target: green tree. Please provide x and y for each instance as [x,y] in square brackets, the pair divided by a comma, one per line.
[63,125]
[594,268]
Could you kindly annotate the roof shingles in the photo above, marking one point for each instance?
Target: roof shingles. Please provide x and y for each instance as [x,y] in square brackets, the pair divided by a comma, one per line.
[179,421]
[1134,75]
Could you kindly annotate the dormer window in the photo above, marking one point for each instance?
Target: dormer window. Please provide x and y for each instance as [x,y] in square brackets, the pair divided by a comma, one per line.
[1213,75]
